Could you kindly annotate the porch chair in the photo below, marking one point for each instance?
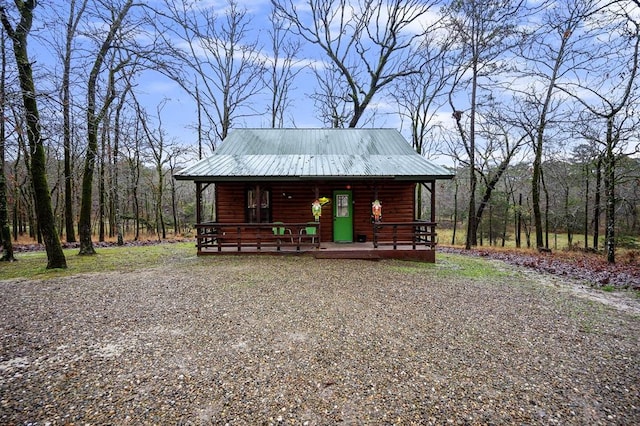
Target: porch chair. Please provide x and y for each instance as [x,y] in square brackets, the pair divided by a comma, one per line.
[309,232]
[281,230]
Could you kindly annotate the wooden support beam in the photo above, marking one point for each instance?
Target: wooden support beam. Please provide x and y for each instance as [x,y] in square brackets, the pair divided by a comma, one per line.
[433,200]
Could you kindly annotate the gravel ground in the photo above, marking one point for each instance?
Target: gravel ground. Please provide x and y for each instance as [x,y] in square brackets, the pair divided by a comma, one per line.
[294,340]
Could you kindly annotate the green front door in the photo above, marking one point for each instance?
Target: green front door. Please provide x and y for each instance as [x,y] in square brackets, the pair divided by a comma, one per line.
[342,217]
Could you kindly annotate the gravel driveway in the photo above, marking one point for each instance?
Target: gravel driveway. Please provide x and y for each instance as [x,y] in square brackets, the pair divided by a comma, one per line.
[294,340]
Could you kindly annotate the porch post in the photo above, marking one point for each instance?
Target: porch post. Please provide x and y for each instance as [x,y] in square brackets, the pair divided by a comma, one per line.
[198,215]
[433,200]
[417,205]
[258,204]
[431,187]
[198,202]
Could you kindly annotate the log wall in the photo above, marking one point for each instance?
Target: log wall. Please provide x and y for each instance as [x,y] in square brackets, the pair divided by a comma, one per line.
[291,202]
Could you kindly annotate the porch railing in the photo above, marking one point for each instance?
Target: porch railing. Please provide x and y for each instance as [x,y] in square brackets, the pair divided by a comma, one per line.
[397,234]
[217,236]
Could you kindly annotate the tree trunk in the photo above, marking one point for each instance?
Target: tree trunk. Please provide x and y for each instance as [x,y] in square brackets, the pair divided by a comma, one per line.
[5,231]
[42,196]
[136,211]
[596,205]
[491,185]
[535,191]
[505,225]
[17,218]
[567,218]
[115,190]
[537,177]
[174,211]
[86,200]
[586,206]
[546,212]
[492,233]
[159,217]
[519,223]
[472,223]
[455,212]
[72,24]
[610,194]
[101,183]
[135,178]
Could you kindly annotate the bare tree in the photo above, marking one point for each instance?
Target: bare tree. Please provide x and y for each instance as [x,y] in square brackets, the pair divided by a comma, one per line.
[553,54]
[75,14]
[23,210]
[226,61]
[611,95]
[482,30]
[498,153]
[174,161]
[42,197]
[115,163]
[103,152]
[160,151]
[329,97]
[420,96]
[366,42]
[94,117]
[133,149]
[281,68]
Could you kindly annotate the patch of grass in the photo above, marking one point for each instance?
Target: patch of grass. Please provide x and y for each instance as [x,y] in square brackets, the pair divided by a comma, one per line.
[453,265]
[33,265]
[558,242]
[587,315]
[608,288]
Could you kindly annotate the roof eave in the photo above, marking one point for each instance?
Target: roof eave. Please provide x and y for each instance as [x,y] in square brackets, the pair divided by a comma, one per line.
[411,178]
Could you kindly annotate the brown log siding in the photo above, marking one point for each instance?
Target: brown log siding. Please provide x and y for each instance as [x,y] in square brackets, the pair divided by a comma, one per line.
[291,202]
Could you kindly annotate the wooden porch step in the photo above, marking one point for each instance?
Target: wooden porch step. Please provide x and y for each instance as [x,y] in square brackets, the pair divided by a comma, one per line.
[346,254]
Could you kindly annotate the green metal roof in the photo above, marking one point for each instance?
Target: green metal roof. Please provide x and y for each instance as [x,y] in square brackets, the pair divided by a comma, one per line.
[298,154]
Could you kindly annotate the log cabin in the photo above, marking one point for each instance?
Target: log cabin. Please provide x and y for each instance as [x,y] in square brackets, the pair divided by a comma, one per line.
[331,192]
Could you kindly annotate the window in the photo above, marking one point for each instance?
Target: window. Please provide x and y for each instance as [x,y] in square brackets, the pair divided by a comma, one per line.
[342,205]
[258,208]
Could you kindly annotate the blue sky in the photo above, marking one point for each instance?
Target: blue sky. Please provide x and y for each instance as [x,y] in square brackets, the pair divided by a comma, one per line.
[179,112]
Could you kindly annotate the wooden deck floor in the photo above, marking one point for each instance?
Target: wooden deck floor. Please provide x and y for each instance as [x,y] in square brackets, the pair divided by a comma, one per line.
[332,250]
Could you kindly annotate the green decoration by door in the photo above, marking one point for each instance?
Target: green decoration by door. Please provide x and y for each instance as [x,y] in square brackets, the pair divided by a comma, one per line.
[342,217]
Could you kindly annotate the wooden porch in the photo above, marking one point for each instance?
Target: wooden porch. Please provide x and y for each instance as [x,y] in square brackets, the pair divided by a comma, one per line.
[397,240]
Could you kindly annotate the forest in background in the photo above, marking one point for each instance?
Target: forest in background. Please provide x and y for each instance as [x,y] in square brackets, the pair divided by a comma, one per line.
[533,105]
